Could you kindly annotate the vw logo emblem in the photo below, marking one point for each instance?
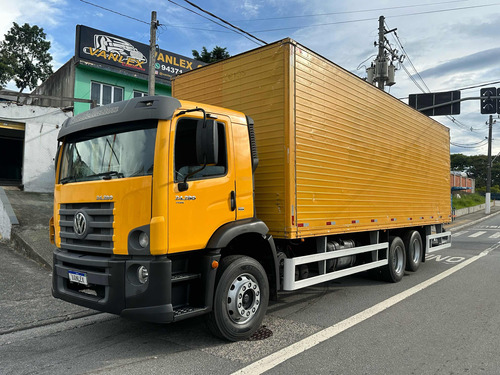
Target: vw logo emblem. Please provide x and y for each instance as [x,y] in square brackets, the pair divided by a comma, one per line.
[80,224]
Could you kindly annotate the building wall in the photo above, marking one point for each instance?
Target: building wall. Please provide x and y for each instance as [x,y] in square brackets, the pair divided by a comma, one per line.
[61,83]
[42,125]
[84,75]
[460,179]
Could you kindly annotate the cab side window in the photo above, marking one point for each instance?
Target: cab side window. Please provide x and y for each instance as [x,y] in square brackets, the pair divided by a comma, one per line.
[185,152]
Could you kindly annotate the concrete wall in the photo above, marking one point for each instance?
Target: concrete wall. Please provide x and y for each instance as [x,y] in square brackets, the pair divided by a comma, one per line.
[61,83]
[7,216]
[42,125]
[5,225]
[470,210]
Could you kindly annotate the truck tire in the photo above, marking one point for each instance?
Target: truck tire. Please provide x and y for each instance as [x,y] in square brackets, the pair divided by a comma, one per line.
[241,298]
[414,250]
[395,269]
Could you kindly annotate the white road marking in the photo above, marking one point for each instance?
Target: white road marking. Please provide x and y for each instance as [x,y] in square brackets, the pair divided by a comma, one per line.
[496,235]
[459,233]
[477,234]
[275,359]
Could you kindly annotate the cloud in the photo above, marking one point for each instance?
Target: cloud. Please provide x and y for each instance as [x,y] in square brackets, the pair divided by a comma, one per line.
[46,12]
[250,8]
[483,60]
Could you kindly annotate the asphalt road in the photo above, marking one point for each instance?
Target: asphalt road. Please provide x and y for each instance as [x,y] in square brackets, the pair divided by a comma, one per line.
[441,320]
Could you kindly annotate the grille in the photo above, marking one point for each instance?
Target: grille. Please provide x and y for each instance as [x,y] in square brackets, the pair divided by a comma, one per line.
[99,236]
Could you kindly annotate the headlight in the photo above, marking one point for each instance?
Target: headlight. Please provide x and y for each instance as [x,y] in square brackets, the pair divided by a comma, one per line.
[142,274]
[143,240]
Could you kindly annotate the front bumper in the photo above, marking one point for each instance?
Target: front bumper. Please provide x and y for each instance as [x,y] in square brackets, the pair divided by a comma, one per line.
[113,285]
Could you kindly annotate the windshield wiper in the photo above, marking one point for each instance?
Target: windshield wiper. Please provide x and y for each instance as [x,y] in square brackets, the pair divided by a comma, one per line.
[107,175]
[65,180]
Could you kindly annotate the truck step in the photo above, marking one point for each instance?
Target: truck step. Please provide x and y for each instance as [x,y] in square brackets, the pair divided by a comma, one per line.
[182,277]
[188,312]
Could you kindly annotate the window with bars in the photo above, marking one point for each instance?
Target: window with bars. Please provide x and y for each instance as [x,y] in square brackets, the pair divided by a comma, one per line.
[105,94]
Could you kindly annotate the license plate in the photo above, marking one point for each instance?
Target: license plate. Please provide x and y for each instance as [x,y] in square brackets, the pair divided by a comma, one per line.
[78,277]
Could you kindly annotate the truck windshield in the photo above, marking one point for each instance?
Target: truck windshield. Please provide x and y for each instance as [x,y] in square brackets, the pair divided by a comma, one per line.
[117,154]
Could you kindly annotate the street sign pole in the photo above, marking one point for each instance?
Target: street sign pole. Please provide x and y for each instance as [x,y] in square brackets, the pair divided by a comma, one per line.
[488,175]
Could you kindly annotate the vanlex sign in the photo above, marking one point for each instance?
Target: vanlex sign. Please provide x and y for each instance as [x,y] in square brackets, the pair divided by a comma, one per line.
[116,57]
[104,48]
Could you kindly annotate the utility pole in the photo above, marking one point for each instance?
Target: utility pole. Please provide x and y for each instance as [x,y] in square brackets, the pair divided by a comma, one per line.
[381,72]
[488,174]
[381,61]
[152,54]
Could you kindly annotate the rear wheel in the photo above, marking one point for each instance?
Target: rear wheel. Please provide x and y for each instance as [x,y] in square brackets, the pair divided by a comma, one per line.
[395,269]
[414,250]
[241,298]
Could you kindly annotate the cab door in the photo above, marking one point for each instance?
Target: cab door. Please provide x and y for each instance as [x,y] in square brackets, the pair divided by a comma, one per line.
[209,201]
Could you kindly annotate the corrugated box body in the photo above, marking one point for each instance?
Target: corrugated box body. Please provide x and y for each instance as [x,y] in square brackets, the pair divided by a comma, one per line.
[335,153]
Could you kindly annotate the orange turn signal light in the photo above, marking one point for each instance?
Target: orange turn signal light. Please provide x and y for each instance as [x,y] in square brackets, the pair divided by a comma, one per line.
[215,264]
[52,231]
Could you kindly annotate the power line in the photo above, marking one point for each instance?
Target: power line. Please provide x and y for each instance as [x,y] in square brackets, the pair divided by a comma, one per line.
[424,89]
[474,86]
[161,25]
[224,21]
[477,86]
[472,145]
[412,78]
[201,29]
[198,14]
[400,45]
[114,11]
[446,10]
[211,20]
[346,12]
[371,19]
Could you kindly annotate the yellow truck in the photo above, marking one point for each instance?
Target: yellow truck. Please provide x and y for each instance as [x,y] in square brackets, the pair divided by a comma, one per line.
[166,209]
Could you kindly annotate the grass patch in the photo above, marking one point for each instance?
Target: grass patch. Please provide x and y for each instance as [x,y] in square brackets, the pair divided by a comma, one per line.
[467,200]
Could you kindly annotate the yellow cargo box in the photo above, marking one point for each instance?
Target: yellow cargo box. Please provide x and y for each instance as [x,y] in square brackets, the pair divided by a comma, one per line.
[336,154]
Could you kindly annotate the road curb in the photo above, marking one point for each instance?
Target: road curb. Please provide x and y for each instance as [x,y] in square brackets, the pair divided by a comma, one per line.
[475,221]
[22,247]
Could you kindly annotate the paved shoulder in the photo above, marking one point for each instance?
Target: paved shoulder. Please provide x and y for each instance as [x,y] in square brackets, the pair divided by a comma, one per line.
[25,294]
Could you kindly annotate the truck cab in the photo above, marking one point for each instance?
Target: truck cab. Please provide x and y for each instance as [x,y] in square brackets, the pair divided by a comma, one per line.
[150,194]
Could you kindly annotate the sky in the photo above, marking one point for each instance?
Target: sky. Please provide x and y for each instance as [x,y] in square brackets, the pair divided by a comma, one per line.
[448,44]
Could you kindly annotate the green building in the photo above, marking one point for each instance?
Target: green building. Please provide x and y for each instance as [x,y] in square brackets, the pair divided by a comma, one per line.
[106,69]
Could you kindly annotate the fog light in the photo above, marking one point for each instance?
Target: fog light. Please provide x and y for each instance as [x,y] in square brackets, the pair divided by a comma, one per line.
[142,274]
[144,240]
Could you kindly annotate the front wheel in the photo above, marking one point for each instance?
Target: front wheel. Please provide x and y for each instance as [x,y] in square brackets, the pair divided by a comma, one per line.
[241,298]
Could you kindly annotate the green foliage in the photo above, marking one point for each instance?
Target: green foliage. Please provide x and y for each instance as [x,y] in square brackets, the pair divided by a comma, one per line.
[25,57]
[6,71]
[476,167]
[217,54]
[494,190]
[467,200]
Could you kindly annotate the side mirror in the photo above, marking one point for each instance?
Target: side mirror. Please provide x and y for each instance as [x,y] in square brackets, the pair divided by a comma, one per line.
[207,142]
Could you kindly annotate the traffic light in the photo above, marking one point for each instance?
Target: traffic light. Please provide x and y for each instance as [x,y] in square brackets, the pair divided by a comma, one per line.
[498,101]
[489,105]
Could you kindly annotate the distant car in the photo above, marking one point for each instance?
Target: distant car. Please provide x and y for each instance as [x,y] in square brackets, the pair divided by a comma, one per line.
[119,46]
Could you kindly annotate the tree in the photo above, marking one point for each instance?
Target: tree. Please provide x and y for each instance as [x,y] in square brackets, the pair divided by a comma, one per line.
[25,57]
[459,162]
[217,54]
[476,167]
[6,71]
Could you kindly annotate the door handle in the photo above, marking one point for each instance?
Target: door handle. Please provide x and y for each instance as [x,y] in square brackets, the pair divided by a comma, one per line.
[233,200]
